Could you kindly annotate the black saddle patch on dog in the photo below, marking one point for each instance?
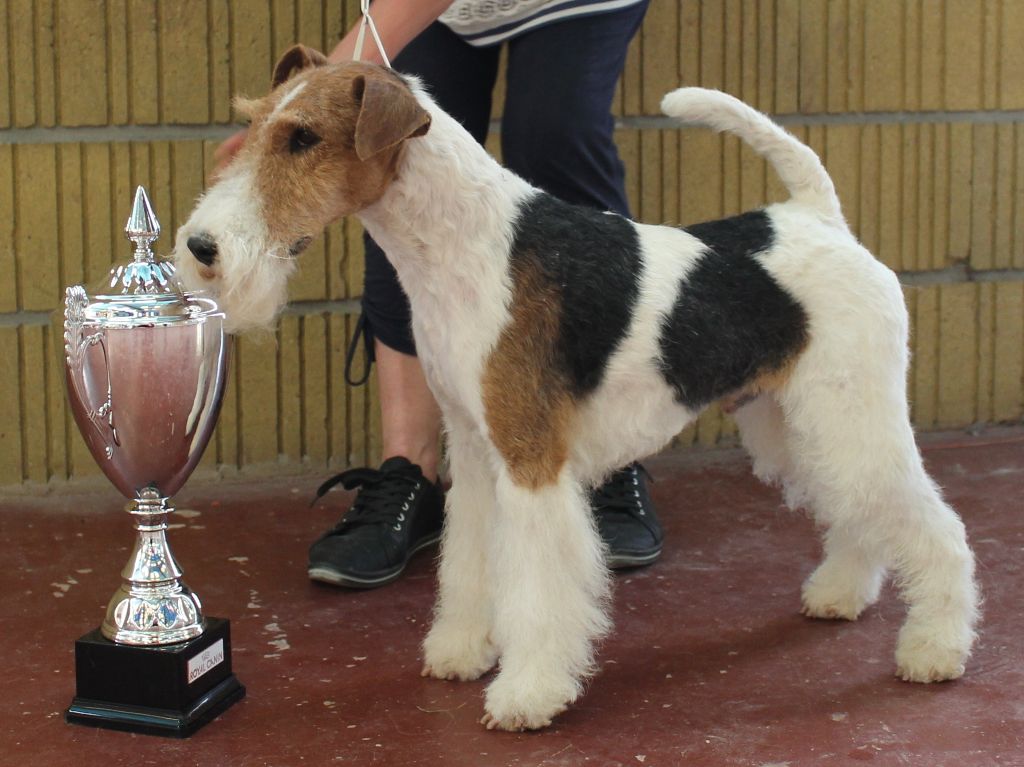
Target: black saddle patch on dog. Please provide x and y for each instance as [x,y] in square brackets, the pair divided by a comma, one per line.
[592,261]
[731,321]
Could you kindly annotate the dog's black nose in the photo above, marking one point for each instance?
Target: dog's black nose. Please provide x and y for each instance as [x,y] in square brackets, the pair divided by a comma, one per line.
[203,247]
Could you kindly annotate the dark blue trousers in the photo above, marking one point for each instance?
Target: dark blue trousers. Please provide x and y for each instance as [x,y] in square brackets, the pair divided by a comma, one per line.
[556,129]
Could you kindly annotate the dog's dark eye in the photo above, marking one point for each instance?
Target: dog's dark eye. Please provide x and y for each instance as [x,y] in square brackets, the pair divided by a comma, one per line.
[301,140]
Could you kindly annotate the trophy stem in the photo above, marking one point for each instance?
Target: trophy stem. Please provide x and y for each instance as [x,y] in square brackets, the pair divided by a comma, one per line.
[152,605]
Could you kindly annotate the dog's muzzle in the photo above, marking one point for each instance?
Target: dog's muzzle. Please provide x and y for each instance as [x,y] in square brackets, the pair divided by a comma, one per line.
[203,247]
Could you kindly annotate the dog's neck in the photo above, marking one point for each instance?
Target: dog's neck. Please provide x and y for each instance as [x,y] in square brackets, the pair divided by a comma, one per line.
[437,221]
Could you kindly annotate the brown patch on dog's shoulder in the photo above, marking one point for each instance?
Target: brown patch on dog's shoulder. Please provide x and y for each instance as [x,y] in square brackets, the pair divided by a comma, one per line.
[527,402]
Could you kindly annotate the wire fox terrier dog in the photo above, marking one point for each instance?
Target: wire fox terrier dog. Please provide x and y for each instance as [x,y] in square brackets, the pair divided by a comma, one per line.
[562,343]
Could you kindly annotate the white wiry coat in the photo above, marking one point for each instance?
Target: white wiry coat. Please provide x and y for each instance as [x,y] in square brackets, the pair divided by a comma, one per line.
[522,578]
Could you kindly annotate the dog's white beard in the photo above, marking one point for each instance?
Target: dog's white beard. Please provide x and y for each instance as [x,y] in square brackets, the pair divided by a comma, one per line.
[251,286]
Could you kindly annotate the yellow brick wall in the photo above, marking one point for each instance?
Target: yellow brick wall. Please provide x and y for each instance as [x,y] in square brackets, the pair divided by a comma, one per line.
[916,106]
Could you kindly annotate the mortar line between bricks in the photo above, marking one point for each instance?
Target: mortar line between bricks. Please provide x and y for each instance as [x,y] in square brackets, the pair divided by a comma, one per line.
[351,306]
[129,133]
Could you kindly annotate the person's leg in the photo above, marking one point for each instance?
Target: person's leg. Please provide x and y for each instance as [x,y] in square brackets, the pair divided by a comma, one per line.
[410,419]
[461,79]
[398,509]
[558,133]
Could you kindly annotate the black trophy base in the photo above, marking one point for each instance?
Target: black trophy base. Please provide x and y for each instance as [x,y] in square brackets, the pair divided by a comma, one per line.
[171,690]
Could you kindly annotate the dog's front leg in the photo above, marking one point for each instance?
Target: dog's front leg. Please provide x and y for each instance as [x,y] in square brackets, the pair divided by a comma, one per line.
[550,587]
[459,644]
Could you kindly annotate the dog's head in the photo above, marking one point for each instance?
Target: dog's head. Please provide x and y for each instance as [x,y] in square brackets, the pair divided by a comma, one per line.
[324,143]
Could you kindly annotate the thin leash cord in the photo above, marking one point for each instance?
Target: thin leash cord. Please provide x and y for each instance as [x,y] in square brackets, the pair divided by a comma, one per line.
[362,332]
[364,6]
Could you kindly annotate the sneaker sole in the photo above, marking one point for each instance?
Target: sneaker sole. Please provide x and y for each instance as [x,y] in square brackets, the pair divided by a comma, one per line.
[328,574]
[625,561]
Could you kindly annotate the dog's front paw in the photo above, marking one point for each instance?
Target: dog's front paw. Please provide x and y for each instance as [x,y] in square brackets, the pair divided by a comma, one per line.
[526,701]
[929,656]
[457,654]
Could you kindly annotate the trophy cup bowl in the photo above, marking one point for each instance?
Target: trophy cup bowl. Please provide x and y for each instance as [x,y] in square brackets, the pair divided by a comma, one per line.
[145,367]
[145,398]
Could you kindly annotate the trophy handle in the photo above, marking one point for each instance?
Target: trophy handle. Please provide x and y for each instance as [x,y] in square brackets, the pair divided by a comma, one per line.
[76,343]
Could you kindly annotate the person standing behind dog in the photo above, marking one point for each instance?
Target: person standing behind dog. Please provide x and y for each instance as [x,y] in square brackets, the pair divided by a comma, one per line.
[564,60]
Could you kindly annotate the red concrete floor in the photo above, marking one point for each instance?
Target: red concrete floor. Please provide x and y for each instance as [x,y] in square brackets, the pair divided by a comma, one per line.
[710,664]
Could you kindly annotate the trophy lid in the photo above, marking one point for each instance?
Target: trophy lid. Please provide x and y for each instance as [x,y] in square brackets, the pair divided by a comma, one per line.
[145,291]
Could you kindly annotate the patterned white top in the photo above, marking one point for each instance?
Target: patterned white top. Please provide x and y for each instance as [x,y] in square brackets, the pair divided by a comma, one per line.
[487,22]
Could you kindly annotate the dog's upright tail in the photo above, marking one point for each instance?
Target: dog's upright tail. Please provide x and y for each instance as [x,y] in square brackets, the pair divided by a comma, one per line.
[796,163]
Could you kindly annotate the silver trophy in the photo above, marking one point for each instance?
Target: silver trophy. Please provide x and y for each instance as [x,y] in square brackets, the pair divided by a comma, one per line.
[145,365]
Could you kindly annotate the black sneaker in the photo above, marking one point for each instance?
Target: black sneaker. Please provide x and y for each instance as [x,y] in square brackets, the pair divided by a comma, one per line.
[626,519]
[396,513]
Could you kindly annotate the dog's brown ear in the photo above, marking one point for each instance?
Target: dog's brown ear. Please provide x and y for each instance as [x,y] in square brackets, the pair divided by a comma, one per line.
[295,59]
[388,114]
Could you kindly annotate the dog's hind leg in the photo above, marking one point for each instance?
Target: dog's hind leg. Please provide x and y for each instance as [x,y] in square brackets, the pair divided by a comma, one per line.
[848,579]
[551,587]
[851,575]
[935,571]
[851,439]
[459,645]
[763,434]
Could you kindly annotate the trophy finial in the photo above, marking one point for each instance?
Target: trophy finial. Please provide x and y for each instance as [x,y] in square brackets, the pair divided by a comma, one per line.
[144,274]
[142,227]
